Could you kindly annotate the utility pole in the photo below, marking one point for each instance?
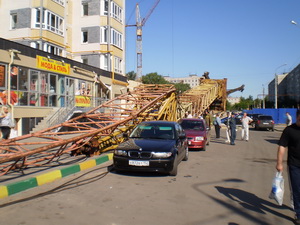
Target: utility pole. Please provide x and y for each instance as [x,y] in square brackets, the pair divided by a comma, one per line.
[263,96]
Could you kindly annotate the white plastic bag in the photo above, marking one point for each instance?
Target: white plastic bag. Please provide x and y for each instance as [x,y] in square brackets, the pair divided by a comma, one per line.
[277,188]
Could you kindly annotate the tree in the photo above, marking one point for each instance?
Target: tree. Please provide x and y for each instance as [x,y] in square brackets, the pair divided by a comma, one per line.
[153,78]
[131,75]
[181,87]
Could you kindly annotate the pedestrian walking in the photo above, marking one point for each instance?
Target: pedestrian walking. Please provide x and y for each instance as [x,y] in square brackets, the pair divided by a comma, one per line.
[217,124]
[232,127]
[228,128]
[288,119]
[6,122]
[246,120]
[290,141]
[207,118]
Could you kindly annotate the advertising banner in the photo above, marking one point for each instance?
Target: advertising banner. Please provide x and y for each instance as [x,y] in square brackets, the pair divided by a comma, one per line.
[82,101]
[52,65]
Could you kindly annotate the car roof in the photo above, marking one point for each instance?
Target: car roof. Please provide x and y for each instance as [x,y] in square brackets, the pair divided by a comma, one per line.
[265,116]
[159,122]
[193,119]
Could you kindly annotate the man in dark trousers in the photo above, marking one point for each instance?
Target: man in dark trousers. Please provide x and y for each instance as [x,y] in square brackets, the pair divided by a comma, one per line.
[232,127]
[217,124]
[290,140]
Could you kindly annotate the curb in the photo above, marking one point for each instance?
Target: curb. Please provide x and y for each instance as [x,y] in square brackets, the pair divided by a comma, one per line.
[39,180]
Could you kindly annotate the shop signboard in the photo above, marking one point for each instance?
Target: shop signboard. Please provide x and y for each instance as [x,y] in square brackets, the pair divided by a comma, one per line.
[82,101]
[52,65]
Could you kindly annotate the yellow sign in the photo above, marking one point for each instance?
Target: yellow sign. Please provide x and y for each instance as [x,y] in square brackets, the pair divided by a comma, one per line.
[82,101]
[52,65]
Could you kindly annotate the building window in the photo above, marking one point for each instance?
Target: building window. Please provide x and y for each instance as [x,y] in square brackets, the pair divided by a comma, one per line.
[51,21]
[116,11]
[116,38]
[85,9]
[104,7]
[85,60]
[14,20]
[118,65]
[104,32]
[84,37]
[61,2]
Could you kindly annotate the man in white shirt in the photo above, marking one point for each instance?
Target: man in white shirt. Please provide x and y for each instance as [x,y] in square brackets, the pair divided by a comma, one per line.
[246,120]
[288,119]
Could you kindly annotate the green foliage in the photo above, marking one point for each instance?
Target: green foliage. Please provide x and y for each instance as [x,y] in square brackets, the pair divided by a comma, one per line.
[131,75]
[153,78]
[181,87]
[245,103]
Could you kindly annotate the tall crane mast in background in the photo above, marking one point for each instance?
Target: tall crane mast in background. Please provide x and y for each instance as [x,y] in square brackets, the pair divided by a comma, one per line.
[139,33]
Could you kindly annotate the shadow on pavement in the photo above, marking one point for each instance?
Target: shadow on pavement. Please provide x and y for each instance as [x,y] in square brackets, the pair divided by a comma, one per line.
[247,200]
[251,202]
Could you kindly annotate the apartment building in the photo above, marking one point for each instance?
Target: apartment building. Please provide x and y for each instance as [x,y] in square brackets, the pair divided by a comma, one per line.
[59,54]
[88,31]
[193,80]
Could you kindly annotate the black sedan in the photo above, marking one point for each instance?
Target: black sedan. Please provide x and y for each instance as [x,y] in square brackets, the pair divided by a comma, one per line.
[154,146]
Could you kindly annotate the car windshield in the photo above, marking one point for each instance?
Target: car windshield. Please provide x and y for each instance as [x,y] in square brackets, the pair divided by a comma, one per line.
[192,125]
[265,118]
[153,132]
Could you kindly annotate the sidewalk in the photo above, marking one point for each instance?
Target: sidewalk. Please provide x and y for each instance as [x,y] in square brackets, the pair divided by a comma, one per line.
[26,182]
[279,127]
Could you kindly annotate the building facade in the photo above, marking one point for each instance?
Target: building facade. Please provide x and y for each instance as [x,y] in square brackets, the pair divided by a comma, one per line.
[58,54]
[36,84]
[192,80]
[281,87]
[88,31]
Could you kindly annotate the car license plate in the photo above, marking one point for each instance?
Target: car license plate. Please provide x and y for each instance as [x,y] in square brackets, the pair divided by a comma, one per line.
[265,123]
[138,163]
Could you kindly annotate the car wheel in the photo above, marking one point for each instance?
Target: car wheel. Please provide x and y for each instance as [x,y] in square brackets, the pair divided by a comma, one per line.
[175,166]
[186,156]
[272,129]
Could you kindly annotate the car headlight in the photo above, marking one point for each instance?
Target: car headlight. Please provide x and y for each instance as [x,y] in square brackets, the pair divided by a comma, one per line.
[161,154]
[120,152]
[200,138]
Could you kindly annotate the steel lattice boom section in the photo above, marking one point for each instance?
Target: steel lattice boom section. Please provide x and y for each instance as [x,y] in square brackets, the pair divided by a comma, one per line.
[200,98]
[93,132]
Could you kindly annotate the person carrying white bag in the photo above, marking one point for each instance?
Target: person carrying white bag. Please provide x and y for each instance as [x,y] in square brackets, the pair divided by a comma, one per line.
[277,191]
[290,141]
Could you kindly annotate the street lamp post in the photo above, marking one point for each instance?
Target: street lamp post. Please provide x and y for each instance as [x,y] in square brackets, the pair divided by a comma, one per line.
[263,96]
[276,84]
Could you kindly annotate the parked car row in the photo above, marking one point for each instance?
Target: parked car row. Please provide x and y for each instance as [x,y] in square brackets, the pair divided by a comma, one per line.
[263,122]
[159,146]
[259,121]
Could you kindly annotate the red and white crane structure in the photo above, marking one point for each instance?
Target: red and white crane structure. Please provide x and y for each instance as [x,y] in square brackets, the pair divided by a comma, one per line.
[139,33]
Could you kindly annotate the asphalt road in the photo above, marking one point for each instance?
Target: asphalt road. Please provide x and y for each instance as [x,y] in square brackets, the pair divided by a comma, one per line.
[223,185]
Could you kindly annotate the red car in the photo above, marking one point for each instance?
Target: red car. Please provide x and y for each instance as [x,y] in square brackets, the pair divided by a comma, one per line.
[198,134]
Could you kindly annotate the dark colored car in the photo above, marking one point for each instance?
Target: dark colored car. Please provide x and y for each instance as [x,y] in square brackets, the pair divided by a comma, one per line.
[238,119]
[154,146]
[264,122]
[254,117]
[198,134]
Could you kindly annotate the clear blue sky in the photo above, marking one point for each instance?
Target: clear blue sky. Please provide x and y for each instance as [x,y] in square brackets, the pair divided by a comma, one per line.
[245,41]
